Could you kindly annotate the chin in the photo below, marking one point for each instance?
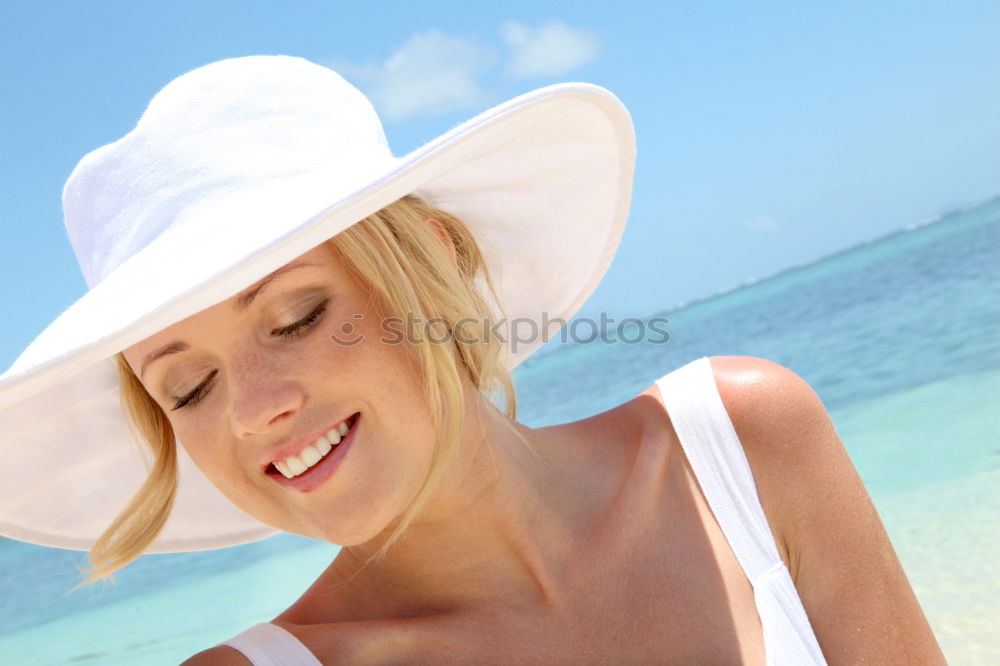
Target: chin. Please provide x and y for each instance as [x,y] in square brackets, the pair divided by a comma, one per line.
[343,520]
[340,531]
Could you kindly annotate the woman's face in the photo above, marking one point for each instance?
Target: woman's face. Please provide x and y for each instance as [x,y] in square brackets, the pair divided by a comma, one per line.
[257,384]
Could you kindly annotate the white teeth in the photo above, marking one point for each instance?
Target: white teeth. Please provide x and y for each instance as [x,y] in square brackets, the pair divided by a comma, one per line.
[310,456]
[295,466]
[292,466]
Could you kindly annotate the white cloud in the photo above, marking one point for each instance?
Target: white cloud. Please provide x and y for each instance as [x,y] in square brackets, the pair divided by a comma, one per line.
[551,49]
[763,225]
[431,73]
[434,72]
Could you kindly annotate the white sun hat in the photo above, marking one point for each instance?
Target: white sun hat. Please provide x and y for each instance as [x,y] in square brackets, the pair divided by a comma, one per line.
[235,169]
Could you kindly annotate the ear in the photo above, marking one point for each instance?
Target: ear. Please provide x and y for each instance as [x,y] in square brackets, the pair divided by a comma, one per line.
[438,228]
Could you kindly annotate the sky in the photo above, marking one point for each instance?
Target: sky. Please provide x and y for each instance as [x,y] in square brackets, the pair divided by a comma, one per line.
[769,134]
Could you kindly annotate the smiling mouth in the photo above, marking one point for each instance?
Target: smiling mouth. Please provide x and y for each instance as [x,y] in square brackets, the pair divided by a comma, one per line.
[297,466]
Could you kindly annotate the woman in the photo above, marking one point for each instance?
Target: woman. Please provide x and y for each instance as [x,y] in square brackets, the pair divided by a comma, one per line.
[327,330]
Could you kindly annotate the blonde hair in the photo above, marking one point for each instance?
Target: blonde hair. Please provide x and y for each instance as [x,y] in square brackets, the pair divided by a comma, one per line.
[403,260]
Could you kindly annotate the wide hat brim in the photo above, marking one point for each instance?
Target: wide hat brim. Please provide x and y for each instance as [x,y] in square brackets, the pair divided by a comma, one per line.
[544,181]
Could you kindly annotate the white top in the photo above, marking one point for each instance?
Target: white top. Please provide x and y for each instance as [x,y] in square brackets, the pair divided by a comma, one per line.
[710,442]
[267,644]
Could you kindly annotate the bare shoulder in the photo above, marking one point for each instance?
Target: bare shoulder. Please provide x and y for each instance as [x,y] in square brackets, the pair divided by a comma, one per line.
[785,430]
[218,656]
[846,571]
[766,401]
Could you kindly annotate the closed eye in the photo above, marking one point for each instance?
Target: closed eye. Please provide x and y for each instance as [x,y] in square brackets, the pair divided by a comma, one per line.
[286,332]
[298,327]
[197,394]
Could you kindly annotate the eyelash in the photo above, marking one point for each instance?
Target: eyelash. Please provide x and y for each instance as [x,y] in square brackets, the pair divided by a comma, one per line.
[296,329]
[286,332]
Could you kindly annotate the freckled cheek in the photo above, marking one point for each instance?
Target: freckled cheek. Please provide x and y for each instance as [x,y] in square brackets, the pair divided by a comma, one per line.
[210,449]
[341,358]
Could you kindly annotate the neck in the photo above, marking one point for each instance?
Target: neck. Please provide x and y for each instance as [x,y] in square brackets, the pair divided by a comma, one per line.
[504,525]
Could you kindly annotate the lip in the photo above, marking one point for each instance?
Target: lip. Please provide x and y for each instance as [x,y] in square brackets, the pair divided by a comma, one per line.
[313,477]
[296,447]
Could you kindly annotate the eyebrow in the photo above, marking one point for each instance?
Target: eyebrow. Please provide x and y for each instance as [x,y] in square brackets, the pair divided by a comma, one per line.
[240,305]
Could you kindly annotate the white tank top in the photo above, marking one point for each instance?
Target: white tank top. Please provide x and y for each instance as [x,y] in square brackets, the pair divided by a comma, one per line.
[709,440]
[706,433]
[268,644]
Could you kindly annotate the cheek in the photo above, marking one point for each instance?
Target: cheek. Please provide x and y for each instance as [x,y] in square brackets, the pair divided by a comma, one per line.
[355,356]
[216,458]
[206,444]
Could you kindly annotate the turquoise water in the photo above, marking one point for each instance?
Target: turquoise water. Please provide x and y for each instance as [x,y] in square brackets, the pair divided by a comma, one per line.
[899,337]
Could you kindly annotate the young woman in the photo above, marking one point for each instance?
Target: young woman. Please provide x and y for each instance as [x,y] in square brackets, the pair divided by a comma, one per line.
[324,331]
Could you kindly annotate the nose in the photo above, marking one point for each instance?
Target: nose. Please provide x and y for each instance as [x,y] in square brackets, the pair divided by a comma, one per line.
[263,396]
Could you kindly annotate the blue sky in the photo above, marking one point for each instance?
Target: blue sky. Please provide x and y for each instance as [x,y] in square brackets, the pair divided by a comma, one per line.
[770,134]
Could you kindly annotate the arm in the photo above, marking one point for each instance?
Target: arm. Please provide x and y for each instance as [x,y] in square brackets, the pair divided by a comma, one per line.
[851,583]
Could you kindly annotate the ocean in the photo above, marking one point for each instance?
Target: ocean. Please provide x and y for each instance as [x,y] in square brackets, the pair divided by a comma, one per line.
[900,337]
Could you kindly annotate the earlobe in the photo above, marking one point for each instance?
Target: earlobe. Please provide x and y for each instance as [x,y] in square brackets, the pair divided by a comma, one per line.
[438,227]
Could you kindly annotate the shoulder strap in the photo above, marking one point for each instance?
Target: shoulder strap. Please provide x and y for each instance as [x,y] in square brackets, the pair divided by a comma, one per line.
[267,644]
[709,440]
